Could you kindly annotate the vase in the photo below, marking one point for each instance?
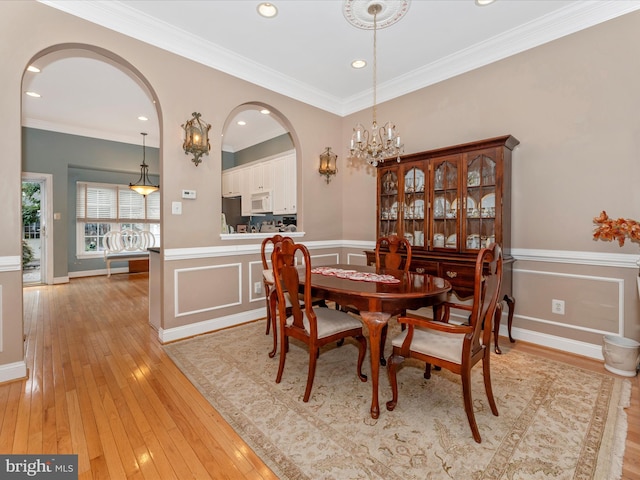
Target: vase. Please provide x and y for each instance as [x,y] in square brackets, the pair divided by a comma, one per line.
[621,355]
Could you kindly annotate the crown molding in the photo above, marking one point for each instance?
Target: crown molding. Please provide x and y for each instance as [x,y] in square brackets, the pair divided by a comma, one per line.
[117,16]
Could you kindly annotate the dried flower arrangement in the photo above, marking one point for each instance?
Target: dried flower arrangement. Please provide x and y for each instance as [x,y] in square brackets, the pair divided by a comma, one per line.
[619,229]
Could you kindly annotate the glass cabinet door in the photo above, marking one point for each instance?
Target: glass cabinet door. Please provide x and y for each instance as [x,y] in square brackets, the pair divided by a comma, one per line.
[444,205]
[413,213]
[389,204]
[480,214]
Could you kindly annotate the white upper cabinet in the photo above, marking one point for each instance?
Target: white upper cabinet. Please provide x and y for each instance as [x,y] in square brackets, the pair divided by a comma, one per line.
[284,185]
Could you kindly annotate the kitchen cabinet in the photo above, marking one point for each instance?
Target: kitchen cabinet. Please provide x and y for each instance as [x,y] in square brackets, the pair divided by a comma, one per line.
[276,175]
[261,176]
[449,203]
[231,183]
[284,185]
[245,191]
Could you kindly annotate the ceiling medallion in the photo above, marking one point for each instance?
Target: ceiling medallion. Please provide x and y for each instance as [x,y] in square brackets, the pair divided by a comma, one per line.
[357,12]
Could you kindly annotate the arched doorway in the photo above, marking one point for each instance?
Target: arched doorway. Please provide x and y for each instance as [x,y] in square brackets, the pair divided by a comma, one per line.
[86,119]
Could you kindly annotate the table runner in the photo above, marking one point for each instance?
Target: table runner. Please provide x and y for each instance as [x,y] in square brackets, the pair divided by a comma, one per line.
[355,275]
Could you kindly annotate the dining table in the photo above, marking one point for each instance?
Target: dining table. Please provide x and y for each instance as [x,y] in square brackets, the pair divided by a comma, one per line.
[378,294]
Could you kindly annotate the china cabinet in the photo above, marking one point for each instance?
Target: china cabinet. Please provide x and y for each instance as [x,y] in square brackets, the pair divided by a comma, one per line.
[449,203]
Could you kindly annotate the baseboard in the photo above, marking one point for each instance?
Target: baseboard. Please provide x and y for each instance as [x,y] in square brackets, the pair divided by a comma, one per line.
[13,371]
[208,326]
[551,341]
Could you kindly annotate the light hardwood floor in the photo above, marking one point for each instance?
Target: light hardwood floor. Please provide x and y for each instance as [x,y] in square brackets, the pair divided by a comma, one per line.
[100,386]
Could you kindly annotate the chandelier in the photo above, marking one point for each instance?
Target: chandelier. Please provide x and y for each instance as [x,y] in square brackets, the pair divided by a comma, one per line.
[379,143]
[144,186]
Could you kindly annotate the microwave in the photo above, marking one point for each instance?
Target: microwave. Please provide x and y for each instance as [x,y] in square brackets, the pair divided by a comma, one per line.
[261,202]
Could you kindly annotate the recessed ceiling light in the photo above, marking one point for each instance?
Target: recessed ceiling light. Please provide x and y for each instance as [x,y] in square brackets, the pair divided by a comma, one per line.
[267,10]
[33,94]
[142,118]
[483,3]
[33,68]
[359,64]
[242,123]
[264,111]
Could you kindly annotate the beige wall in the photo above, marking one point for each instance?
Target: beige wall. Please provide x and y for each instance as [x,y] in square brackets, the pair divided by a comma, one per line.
[572,103]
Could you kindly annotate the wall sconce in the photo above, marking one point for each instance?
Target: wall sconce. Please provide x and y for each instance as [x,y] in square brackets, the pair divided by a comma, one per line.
[196,138]
[328,166]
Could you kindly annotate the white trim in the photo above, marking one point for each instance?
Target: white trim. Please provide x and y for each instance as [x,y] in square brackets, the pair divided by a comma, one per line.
[600,259]
[258,235]
[559,343]
[208,326]
[172,254]
[623,260]
[10,264]
[210,267]
[252,282]
[13,371]
[619,281]
[120,17]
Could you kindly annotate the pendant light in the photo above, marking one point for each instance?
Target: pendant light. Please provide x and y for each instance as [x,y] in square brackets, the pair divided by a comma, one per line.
[378,143]
[144,186]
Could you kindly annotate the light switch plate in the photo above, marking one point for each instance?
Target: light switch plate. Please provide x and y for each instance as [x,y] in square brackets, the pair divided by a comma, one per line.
[176,208]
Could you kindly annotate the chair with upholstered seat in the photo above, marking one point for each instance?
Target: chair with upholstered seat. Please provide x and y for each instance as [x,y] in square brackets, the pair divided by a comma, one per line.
[314,326]
[269,290]
[456,347]
[391,259]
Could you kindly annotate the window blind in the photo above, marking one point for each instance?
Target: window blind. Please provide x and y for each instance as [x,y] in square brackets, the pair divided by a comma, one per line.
[115,204]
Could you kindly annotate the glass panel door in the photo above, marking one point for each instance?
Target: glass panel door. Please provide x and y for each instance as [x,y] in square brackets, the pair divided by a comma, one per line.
[414,206]
[389,204]
[481,202]
[444,205]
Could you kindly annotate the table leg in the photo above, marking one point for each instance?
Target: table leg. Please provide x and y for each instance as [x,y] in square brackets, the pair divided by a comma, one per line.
[375,322]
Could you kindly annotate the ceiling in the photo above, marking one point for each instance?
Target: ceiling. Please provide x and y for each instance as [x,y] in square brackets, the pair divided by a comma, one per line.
[304,52]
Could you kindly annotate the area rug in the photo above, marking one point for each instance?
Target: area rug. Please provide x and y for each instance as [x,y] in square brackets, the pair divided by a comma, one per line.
[556,421]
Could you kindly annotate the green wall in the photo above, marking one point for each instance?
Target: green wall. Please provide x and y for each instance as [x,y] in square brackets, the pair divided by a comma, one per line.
[72,158]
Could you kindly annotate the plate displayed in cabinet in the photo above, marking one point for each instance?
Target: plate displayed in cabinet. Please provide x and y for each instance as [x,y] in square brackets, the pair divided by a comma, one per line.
[451,241]
[438,240]
[473,241]
[471,204]
[488,205]
[440,207]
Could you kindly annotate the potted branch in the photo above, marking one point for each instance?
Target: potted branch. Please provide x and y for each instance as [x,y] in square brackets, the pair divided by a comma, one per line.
[621,355]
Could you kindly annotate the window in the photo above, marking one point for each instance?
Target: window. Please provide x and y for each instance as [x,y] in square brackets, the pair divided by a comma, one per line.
[101,208]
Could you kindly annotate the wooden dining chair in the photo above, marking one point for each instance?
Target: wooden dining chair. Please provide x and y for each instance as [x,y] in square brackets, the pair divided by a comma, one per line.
[267,273]
[270,292]
[456,347]
[392,258]
[314,326]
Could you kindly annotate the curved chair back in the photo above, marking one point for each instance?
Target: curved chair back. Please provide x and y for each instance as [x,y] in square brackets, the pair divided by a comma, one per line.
[392,259]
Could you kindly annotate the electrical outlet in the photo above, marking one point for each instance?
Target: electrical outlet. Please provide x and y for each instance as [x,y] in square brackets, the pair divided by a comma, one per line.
[257,287]
[557,307]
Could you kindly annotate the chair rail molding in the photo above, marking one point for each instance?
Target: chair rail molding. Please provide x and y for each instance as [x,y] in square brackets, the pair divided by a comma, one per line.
[623,260]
